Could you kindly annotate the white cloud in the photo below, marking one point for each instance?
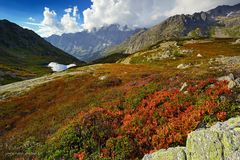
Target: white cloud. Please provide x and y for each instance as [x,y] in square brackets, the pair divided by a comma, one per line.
[131,12]
[51,25]
[33,23]
[49,17]
[68,22]
[68,10]
[31,19]
[75,11]
[134,13]
[191,6]
[142,13]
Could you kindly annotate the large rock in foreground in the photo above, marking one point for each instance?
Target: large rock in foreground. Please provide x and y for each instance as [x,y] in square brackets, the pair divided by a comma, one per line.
[177,153]
[220,142]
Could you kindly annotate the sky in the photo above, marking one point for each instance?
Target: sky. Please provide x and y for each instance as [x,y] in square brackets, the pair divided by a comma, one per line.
[47,17]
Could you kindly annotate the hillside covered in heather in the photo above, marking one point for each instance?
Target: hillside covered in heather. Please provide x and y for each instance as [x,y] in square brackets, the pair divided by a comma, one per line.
[123,111]
[171,91]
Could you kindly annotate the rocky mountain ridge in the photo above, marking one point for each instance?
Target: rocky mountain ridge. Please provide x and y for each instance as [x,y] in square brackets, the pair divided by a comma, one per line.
[89,46]
[222,21]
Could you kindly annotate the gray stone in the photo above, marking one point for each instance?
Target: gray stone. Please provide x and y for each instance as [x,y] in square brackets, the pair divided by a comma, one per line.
[204,145]
[230,77]
[223,98]
[232,84]
[237,81]
[220,142]
[237,41]
[103,77]
[177,153]
[183,86]
[234,156]
[183,66]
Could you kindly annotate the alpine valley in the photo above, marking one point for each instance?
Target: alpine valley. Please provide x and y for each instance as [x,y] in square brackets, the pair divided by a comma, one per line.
[89,46]
[167,92]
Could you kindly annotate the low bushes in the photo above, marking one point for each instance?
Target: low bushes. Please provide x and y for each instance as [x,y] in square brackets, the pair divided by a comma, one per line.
[162,118]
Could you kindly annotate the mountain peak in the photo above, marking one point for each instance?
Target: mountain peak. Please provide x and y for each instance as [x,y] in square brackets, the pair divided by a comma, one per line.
[223,10]
[90,45]
[113,27]
[200,24]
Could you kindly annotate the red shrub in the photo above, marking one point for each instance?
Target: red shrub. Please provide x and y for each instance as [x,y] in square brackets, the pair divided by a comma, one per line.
[166,117]
[221,116]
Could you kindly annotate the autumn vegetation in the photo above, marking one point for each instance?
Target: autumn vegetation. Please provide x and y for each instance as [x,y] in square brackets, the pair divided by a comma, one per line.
[116,111]
[160,120]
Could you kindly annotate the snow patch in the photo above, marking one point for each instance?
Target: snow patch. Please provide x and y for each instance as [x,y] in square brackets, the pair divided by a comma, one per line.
[229,14]
[56,67]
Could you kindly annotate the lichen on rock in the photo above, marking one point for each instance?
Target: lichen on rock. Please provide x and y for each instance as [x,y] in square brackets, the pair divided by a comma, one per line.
[177,153]
[220,142]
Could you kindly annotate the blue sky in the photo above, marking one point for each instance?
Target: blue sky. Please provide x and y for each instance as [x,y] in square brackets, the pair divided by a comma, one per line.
[47,17]
[20,10]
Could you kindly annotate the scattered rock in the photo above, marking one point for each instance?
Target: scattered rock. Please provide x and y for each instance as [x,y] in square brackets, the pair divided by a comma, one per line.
[237,41]
[103,77]
[223,98]
[237,81]
[232,84]
[231,81]
[183,86]
[186,51]
[228,61]
[228,78]
[185,92]
[183,66]
[220,142]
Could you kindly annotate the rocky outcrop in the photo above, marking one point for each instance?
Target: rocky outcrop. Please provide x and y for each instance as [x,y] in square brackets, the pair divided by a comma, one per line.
[203,24]
[220,142]
[174,27]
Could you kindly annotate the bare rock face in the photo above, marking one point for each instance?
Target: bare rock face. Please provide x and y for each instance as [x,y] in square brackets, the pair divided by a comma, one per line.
[220,142]
[89,46]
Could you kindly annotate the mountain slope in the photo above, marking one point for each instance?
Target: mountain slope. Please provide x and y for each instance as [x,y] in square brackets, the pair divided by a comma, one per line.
[89,46]
[24,54]
[203,24]
[117,111]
